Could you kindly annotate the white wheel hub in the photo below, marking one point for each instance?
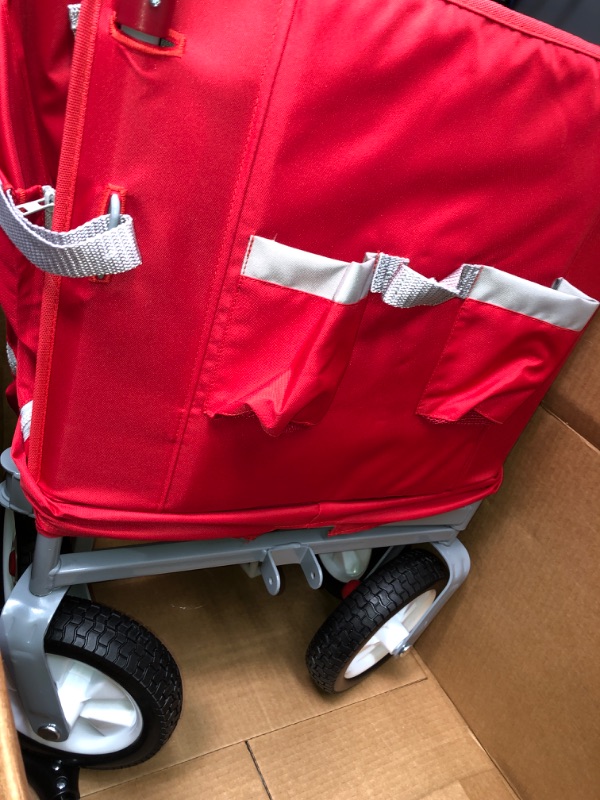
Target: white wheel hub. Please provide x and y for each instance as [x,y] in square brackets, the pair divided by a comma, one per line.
[392,634]
[103,716]
[347,566]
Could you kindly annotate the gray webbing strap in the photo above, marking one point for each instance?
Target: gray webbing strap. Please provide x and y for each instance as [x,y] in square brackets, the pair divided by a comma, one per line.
[74,10]
[11,358]
[92,249]
[401,286]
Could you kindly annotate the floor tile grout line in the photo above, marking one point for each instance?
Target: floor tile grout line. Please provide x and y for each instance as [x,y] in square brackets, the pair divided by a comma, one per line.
[261,776]
[252,738]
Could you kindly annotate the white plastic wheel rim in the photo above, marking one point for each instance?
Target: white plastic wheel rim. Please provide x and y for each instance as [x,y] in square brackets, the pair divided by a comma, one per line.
[347,566]
[103,716]
[391,636]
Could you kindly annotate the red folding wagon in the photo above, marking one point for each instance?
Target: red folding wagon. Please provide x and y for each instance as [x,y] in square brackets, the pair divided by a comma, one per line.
[284,280]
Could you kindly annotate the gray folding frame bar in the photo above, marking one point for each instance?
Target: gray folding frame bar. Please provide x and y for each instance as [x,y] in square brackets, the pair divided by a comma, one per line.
[37,594]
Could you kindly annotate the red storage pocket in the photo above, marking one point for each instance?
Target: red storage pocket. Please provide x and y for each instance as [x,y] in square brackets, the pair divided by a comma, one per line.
[509,338]
[290,334]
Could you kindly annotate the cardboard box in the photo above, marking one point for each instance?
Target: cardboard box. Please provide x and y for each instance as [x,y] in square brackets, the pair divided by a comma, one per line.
[574,396]
[517,650]
[253,723]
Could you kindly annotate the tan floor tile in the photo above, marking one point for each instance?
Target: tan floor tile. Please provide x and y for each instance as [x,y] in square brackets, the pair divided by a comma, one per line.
[402,745]
[229,774]
[241,653]
[488,785]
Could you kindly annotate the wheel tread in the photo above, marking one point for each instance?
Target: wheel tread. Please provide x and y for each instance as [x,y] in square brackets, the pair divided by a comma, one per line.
[366,609]
[110,638]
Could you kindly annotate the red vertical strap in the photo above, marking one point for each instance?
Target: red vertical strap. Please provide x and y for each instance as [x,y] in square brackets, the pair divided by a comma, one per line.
[83,58]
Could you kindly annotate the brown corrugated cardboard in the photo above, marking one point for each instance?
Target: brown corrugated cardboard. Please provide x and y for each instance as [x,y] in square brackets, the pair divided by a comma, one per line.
[517,649]
[483,786]
[228,774]
[405,744]
[13,785]
[236,675]
[453,792]
[574,396]
[487,785]
[241,653]
[396,745]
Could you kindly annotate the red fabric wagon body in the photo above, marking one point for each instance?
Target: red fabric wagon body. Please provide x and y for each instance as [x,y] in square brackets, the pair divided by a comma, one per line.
[266,366]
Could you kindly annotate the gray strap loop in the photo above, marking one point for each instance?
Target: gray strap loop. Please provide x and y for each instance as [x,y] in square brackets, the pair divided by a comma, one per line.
[11,358]
[74,10]
[92,249]
[402,287]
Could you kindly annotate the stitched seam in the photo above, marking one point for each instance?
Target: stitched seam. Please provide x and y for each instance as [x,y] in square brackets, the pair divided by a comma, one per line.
[449,338]
[247,256]
[529,27]
[47,333]
[83,62]
[526,316]
[221,345]
[222,342]
[483,429]
[209,320]
[437,364]
[150,50]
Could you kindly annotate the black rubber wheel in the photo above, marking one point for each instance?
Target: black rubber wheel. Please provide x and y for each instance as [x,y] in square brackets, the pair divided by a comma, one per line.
[128,654]
[335,646]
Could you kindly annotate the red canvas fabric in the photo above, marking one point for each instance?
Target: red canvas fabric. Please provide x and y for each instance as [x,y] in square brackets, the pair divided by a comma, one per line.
[288,375]
[493,360]
[36,45]
[180,400]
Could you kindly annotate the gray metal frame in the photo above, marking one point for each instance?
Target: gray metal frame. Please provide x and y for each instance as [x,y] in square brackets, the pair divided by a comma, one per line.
[32,603]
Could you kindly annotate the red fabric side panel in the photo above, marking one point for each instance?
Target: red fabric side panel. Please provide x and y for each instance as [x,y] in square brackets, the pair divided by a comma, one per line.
[35,50]
[426,129]
[48,42]
[173,132]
